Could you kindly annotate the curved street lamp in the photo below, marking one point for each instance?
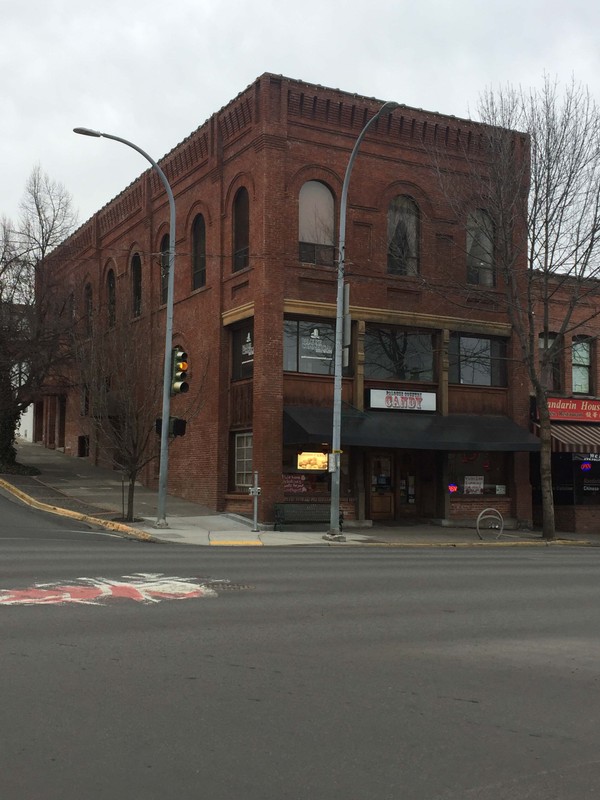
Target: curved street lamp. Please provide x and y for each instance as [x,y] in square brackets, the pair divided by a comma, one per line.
[161,516]
[334,520]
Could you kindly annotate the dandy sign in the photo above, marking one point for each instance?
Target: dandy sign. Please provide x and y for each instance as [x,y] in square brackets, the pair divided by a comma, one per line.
[401,400]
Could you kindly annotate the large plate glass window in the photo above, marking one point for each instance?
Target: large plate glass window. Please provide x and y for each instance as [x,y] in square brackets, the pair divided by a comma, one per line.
[397,354]
[477,360]
[308,347]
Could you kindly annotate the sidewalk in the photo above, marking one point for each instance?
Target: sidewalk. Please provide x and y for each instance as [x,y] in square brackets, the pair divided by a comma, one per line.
[74,487]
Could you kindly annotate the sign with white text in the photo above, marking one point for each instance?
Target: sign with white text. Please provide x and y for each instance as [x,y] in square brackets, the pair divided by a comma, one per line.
[574,409]
[402,400]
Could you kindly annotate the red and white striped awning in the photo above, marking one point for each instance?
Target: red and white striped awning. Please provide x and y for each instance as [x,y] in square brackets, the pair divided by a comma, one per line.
[574,438]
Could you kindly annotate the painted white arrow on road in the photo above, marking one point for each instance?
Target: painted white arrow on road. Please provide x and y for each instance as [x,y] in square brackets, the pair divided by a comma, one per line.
[142,587]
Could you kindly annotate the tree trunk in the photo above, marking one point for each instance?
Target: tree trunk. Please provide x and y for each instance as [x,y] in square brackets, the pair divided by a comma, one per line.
[548,528]
[130,517]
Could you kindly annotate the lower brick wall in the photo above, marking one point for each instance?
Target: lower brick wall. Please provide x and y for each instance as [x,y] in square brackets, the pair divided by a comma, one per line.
[577,519]
[468,509]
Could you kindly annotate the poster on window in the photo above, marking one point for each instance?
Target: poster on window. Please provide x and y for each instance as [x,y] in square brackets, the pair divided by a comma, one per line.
[474,484]
[316,344]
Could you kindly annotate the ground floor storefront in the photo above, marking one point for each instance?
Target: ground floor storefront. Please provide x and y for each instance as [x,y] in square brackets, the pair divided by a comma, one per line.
[396,467]
[575,441]
[407,468]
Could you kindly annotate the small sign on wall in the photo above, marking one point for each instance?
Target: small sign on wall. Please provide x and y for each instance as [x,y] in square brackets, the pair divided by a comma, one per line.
[474,484]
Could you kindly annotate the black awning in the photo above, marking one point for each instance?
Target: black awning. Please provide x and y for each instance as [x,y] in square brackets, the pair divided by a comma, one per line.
[411,431]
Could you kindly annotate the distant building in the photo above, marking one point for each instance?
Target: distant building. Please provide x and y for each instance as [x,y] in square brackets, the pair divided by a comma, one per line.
[436,402]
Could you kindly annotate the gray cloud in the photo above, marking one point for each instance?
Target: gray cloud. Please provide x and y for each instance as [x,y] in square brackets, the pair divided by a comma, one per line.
[153,71]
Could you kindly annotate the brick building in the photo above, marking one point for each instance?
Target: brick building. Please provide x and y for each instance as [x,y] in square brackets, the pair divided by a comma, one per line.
[572,381]
[436,404]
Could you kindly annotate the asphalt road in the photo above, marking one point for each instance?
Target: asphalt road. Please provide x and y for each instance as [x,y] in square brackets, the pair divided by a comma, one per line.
[317,673]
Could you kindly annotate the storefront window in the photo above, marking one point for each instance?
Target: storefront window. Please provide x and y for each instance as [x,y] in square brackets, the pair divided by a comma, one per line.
[393,353]
[300,482]
[242,355]
[586,479]
[477,473]
[308,347]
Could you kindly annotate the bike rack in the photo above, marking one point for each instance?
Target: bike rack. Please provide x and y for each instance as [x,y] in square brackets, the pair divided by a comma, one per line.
[494,520]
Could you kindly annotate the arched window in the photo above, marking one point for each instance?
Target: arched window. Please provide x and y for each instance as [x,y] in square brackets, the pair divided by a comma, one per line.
[111,298]
[315,224]
[403,236]
[88,308]
[70,308]
[164,268]
[480,248]
[136,285]
[241,230]
[198,252]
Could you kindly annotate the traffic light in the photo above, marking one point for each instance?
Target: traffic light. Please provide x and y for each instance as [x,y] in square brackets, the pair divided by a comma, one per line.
[179,367]
[177,426]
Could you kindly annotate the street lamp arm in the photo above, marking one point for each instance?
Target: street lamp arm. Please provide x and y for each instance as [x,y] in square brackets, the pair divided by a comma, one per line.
[101,134]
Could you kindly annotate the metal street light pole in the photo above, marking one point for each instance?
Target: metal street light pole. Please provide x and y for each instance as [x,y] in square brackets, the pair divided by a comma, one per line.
[161,517]
[334,520]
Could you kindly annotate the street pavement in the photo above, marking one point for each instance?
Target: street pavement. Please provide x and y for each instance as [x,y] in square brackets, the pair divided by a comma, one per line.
[73,487]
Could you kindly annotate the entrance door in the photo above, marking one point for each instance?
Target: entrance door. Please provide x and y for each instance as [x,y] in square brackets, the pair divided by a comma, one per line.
[381,495]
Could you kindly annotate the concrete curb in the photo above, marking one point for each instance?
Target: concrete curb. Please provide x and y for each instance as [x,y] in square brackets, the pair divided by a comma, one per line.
[117,527]
[552,543]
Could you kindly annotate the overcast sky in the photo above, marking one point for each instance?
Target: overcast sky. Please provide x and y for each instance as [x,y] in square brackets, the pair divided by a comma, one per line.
[152,71]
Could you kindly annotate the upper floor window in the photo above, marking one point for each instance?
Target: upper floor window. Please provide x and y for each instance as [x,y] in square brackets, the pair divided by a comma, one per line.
[241,230]
[88,308]
[477,360]
[308,347]
[111,298]
[164,268]
[480,248]
[581,356]
[549,360]
[315,224]
[393,353]
[136,285]
[70,308]
[403,236]
[242,354]
[198,252]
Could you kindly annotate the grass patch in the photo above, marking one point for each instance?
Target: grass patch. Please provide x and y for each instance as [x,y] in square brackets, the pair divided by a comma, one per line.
[18,469]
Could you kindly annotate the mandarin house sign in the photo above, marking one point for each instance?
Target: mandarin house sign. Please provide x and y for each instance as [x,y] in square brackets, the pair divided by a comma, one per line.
[571,409]
[401,400]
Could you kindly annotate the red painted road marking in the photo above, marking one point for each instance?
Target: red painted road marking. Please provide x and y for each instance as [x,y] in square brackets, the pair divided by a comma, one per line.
[141,587]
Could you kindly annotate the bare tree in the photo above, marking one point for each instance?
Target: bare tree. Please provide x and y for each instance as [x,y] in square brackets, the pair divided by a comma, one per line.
[33,319]
[120,396]
[536,173]
[121,384]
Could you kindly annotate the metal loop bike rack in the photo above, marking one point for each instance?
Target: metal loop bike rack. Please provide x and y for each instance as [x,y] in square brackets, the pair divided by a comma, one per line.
[490,519]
